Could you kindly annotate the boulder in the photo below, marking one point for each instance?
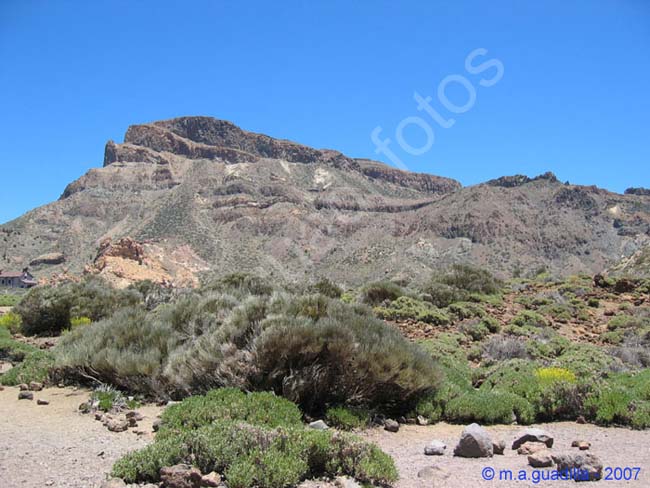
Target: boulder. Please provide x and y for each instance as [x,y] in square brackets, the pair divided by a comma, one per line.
[156,425]
[499,446]
[51,258]
[318,425]
[42,402]
[580,466]
[391,425]
[528,448]
[474,443]
[211,479]
[180,476]
[25,395]
[23,387]
[541,459]
[435,448]
[35,386]
[533,435]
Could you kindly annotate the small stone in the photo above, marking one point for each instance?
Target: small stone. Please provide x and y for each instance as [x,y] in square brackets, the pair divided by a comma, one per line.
[99,416]
[474,443]
[435,448]
[421,420]
[211,479]
[533,435]
[23,387]
[132,414]
[318,425]
[117,425]
[499,447]
[156,425]
[35,386]
[180,476]
[541,459]
[528,448]
[25,395]
[42,402]
[581,420]
[391,425]
[582,445]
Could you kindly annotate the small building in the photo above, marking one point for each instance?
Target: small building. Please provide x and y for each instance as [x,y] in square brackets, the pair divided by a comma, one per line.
[14,279]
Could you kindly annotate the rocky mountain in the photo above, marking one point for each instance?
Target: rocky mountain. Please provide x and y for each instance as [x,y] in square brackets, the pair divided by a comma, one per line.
[202,194]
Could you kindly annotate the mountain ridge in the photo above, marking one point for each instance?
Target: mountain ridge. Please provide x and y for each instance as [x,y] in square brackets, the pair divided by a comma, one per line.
[246,201]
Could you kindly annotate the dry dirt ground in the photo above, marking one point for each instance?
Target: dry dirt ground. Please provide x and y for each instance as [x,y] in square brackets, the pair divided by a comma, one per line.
[55,445]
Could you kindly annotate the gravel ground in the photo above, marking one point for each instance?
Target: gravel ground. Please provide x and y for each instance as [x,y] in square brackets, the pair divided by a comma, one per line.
[54,445]
[614,446]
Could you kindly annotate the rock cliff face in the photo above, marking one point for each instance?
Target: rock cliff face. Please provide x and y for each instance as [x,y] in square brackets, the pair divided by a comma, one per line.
[203,193]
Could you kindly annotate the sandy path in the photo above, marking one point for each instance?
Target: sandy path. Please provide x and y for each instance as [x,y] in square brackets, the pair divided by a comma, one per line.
[615,447]
[54,445]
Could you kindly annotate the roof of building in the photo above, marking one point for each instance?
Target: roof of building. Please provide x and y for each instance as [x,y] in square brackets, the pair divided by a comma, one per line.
[10,275]
[13,274]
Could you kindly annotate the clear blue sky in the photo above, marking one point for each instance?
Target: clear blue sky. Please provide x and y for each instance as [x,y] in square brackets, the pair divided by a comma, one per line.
[573,98]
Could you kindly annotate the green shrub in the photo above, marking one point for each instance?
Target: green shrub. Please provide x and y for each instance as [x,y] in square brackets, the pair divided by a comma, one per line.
[11,321]
[559,312]
[593,302]
[623,399]
[442,295]
[107,399]
[229,432]
[34,367]
[475,329]
[327,288]
[379,292]
[491,324]
[346,418]
[489,407]
[404,308]
[527,318]
[48,309]
[465,310]
[260,408]
[12,350]
[471,279]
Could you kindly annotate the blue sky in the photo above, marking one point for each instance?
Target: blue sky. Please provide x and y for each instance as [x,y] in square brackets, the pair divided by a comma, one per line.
[573,97]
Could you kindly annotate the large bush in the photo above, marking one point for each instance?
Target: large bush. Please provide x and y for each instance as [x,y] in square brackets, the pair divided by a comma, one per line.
[49,309]
[311,349]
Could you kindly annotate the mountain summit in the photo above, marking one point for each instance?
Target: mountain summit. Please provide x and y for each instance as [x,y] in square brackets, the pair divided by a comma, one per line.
[204,194]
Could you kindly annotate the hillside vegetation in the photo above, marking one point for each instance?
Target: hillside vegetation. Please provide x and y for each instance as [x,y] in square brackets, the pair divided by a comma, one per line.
[461,346]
